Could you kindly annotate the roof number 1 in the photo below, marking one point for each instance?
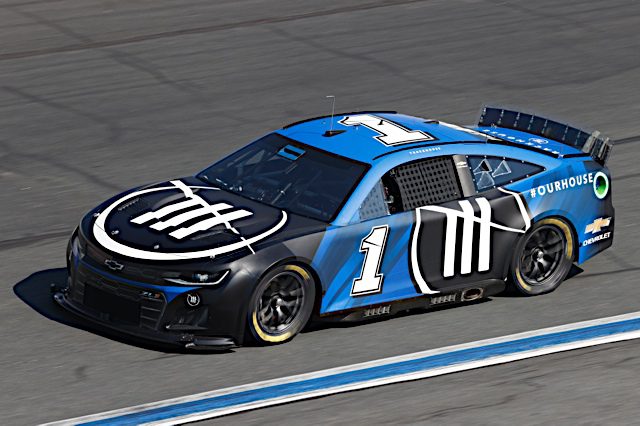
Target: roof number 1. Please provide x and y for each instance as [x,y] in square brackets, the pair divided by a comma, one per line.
[388,132]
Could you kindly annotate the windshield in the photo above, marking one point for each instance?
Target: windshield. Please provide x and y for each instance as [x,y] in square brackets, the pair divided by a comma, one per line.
[285,174]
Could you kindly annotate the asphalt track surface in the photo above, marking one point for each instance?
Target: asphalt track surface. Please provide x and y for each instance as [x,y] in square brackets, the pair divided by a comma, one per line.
[99,96]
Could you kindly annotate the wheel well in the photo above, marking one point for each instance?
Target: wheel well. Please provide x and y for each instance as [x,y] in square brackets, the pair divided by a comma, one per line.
[561,266]
[295,263]
[316,282]
[572,229]
[576,245]
[314,274]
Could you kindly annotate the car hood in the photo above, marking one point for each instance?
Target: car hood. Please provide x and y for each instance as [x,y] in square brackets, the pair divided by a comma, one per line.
[185,219]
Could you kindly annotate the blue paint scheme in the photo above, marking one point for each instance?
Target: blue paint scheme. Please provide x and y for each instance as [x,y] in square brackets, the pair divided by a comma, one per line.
[578,204]
[357,142]
[386,163]
[365,374]
[338,259]
[333,249]
[170,292]
[528,140]
[338,262]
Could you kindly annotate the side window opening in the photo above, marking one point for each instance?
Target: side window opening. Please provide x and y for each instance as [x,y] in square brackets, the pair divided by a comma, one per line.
[412,185]
[375,204]
[429,181]
[392,193]
[491,172]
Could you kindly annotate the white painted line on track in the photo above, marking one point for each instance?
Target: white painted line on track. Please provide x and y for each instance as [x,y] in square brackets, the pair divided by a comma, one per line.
[370,374]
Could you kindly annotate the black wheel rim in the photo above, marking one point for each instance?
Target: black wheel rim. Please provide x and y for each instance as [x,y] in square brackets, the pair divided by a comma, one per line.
[280,302]
[542,254]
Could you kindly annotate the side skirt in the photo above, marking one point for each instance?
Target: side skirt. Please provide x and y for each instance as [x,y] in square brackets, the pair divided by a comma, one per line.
[480,290]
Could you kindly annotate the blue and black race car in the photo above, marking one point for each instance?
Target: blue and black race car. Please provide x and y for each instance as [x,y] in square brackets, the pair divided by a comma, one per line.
[344,217]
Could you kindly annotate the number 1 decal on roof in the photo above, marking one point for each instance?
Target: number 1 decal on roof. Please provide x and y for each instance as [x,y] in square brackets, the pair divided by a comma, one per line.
[389,133]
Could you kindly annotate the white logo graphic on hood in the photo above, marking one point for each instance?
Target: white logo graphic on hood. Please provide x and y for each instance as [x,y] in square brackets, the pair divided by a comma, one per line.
[204,209]
[223,214]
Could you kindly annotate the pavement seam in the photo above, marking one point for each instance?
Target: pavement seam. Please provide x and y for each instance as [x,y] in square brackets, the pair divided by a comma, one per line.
[201,30]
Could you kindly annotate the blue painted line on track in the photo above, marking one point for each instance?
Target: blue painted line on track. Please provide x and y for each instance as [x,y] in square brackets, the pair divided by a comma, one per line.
[372,373]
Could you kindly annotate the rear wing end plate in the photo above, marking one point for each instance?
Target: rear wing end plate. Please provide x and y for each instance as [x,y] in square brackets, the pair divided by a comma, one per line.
[594,144]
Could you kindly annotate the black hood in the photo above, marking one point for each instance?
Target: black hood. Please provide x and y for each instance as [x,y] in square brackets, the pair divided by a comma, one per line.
[187,219]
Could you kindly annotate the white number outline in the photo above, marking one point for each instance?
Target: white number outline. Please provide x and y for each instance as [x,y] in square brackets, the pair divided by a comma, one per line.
[365,247]
[361,120]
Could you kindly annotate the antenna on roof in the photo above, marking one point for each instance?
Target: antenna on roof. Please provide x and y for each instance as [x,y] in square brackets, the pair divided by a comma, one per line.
[333,110]
[332,132]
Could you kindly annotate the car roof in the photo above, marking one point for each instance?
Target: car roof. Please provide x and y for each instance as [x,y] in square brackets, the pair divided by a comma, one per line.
[338,135]
[359,142]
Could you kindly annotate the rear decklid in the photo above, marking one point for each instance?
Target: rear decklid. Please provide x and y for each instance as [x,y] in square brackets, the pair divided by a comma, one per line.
[531,129]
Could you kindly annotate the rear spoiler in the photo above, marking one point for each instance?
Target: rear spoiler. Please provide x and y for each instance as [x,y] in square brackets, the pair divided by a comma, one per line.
[597,146]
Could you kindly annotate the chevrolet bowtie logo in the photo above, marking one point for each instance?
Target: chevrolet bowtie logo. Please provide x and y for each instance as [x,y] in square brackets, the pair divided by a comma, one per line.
[114,265]
[597,225]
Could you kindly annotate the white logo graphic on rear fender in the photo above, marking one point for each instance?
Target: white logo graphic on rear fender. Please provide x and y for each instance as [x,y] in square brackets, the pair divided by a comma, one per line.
[203,209]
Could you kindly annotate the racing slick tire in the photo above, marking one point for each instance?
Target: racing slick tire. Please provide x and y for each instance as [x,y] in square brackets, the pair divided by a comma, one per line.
[543,257]
[281,304]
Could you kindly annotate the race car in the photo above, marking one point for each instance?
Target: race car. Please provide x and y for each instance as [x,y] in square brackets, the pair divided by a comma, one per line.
[344,217]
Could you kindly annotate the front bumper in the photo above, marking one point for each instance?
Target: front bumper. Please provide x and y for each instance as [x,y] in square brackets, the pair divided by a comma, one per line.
[147,312]
[186,340]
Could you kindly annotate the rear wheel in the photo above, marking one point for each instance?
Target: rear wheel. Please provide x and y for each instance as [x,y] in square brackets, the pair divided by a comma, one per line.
[543,257]
[281,304]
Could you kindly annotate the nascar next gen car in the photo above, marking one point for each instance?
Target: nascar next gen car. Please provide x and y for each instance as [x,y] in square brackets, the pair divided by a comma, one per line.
[347,217]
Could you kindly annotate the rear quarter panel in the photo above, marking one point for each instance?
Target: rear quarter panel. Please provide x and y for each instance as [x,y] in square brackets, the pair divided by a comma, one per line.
[567,189]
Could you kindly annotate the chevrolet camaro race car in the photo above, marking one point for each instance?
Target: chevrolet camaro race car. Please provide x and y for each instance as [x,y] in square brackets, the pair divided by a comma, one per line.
[343,217]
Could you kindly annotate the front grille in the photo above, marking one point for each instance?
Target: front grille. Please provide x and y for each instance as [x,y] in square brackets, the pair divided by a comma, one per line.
[97,258]
[114,301]
[111,306]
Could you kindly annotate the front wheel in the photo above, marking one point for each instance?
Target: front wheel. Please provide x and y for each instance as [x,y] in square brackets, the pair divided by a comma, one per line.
[281,304]
[543,257]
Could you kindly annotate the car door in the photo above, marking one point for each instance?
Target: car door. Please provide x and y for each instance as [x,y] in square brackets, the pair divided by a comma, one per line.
[365,263]
[368,262]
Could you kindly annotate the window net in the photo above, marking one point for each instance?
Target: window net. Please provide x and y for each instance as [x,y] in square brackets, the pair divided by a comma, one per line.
[427,182]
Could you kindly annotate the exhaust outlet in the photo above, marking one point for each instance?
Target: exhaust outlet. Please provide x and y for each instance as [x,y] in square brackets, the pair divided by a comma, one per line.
[471,294]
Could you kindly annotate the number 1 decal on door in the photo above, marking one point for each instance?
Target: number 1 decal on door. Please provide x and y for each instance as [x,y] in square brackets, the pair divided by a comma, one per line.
[373,245]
